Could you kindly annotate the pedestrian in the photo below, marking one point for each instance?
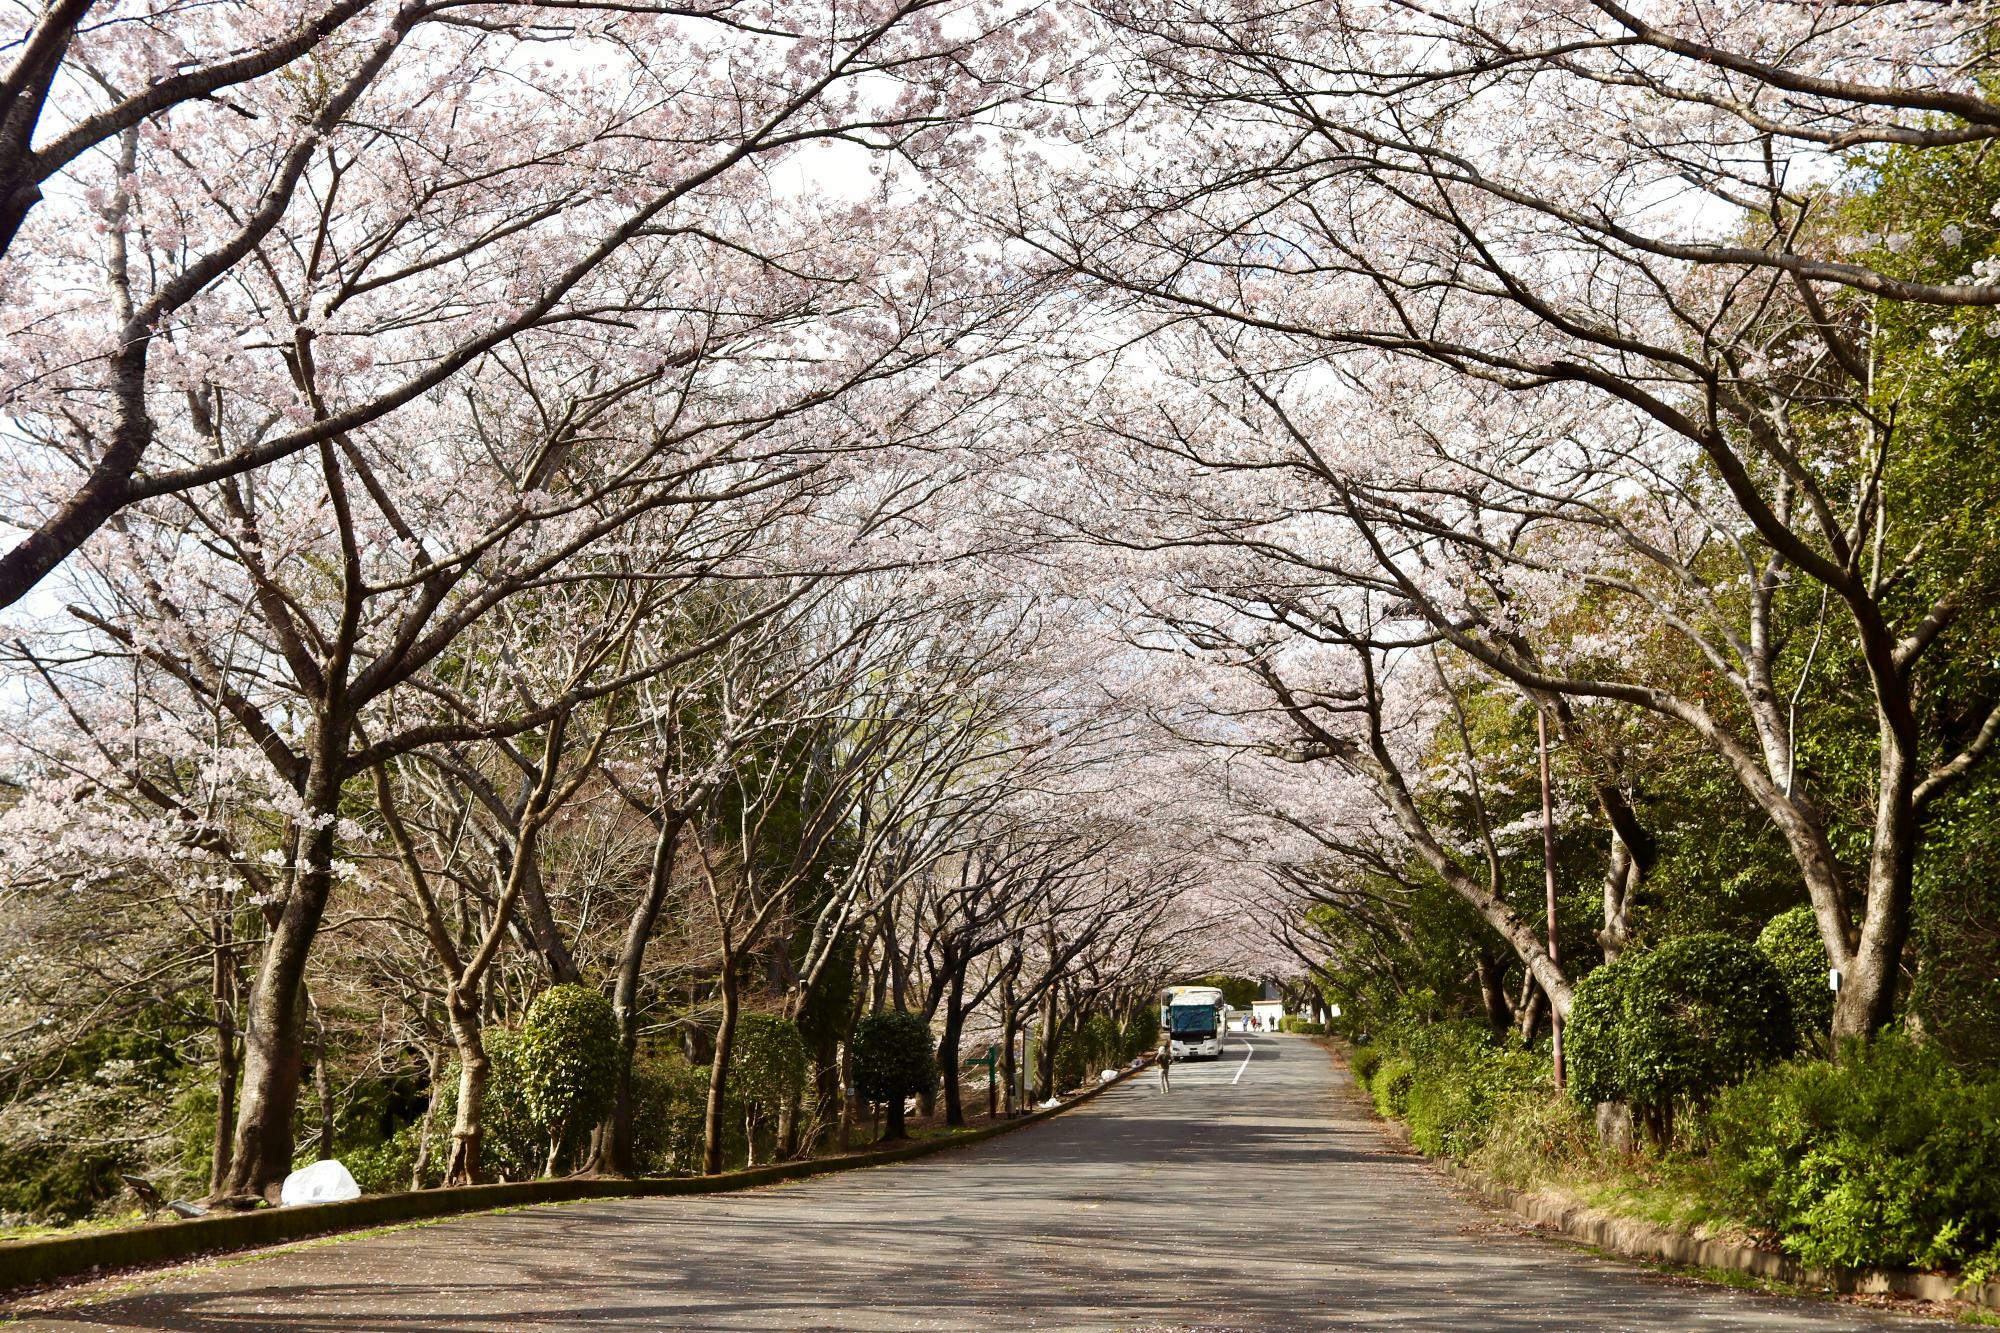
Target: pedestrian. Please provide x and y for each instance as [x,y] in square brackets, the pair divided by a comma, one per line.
[1165,1061]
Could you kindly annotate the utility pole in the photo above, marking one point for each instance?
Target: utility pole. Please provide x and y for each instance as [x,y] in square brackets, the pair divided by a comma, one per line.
[1549,876]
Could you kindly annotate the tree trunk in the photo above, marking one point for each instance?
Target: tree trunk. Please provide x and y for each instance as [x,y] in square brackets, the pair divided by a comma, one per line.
[550,946]
[463,1166]
[223,984]
[1009,1021]
[1866,1001]
[718,1075]
[555,1149]
[1045,1074]
[1621,884]
[273,1038]
[421,1167]
[617,1153]
[954,1022]
[1533,1012]
[893,1131]
[1493,993]
[322,1084]
[788,1126]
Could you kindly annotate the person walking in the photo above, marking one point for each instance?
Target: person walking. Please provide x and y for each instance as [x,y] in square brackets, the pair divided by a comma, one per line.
[1165,1061]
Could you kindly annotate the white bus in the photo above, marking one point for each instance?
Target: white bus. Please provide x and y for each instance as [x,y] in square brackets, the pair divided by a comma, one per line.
[1196,1018]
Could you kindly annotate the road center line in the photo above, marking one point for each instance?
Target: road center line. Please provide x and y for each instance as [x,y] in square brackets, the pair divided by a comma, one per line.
[1248,1051]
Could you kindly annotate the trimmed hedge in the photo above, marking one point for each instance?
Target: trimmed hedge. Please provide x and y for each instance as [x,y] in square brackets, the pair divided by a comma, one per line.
[1791,941]
[568,1052]
[894,1060]
[1678,1024]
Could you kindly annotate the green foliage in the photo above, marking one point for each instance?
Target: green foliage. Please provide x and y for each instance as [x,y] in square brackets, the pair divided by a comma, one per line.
[1791,941]
[1677,1025]
[1955,934]
[1305,1027]
[1362,1062]
[1450,1082]
[568,1058]
[1093,1044]
[1891,1156]
[1237,992]
[1593,1059]
[669,1104]
[767,1069]
[513,1145]
[384,1168]
[1142,1034]
[1700,1013]
[58,1184]
[894,1057]
[1391,1083]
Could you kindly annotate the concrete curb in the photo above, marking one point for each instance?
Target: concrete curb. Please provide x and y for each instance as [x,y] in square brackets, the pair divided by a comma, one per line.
[1635,1239]
[28,1262]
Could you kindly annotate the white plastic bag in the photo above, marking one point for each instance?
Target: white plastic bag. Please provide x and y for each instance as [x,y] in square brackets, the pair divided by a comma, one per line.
[325,1181]
[1106,1075]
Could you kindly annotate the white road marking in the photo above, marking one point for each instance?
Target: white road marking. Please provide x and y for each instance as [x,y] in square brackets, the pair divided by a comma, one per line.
[1248,1051]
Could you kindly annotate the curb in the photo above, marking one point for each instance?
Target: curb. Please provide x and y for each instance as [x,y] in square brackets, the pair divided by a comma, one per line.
[1635,1239]
[26,1263]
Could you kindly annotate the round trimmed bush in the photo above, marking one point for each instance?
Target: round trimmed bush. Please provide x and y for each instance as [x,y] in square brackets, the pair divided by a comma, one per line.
[768,1067]
[1676,1025]
[893,1061]
[1700,1013]
[568,1051]
[1791,941]
[1593,1059]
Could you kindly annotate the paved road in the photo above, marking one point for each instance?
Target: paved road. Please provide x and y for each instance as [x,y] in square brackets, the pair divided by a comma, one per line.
[1256,1195]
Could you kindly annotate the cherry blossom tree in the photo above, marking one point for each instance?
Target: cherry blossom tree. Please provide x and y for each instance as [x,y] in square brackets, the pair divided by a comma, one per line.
[238,233]
[1645,365]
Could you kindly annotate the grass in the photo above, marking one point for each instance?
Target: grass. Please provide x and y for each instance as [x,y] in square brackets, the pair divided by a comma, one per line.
[95,1222]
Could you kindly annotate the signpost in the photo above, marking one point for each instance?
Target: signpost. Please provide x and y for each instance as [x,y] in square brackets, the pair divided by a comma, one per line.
[991,1063]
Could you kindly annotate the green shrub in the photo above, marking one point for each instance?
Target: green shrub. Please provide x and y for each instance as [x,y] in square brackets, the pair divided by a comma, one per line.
[568,1060]
[1593,1060]
[669,1106]
[1701,1013]
[1305,1027]
[1677,1025]
[58,1183]
[1391,1084]
[768,1067]
[1889,1157]
[1095,1043]
[894,1060]
[1142,1035]
[1362,1061]
[384,1168]
[1791,941]
[1458,1083]
[512,1145]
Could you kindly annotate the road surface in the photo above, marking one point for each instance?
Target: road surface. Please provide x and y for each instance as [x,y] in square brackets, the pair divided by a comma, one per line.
[1257,1194]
